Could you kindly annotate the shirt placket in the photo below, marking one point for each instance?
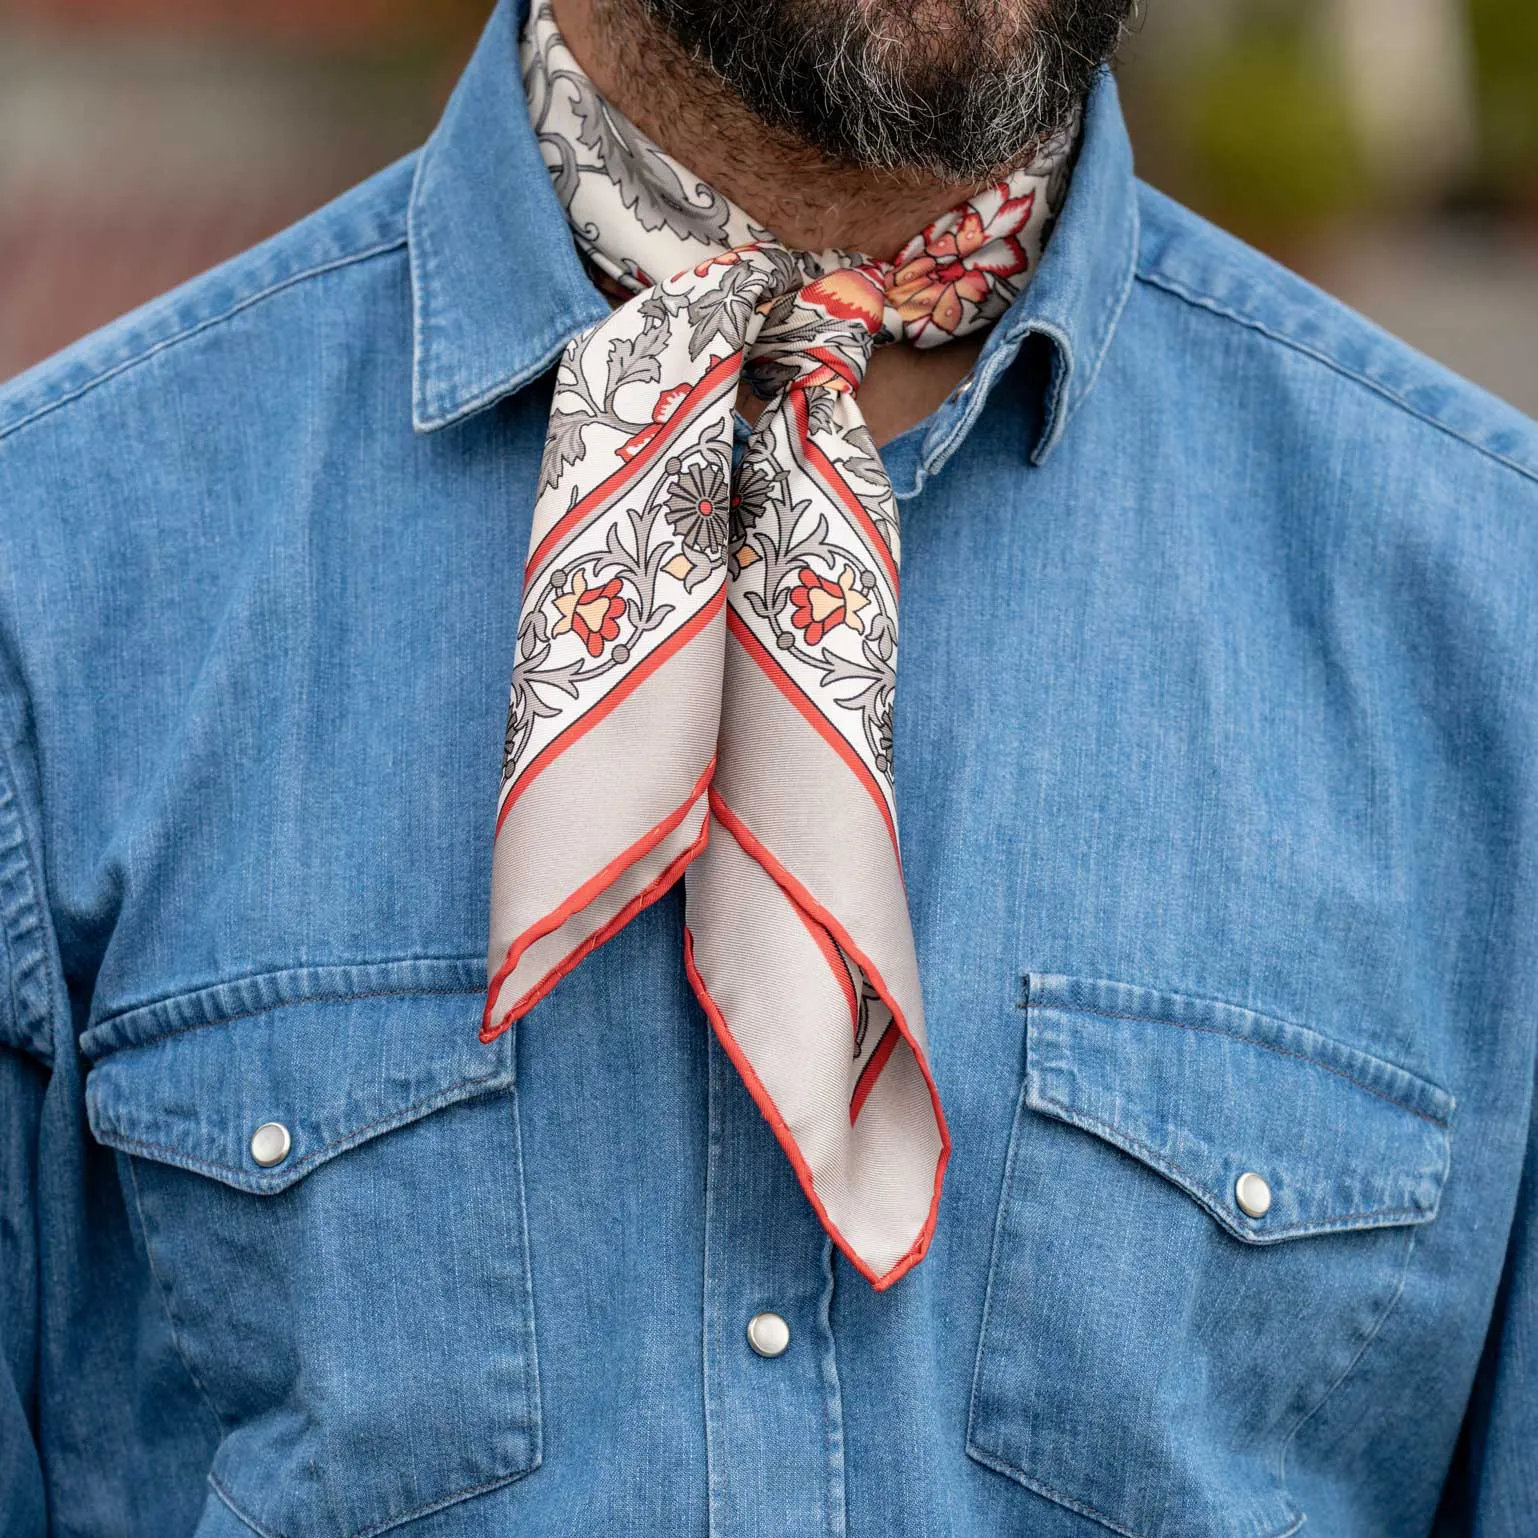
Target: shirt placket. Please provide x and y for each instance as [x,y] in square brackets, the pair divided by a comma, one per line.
[774,1423]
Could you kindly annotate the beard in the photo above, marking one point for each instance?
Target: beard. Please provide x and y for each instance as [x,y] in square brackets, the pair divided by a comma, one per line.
[960,89]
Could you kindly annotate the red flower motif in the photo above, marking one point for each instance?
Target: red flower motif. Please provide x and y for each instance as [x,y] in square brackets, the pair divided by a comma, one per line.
[956,260]
[817,604]
[592,612]
[667,403]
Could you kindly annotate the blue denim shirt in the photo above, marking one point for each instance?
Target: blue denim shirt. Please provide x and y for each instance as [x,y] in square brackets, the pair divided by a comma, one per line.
[1217,756]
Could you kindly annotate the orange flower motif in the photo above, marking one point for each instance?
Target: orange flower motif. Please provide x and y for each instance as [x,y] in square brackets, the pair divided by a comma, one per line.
[592,612]
[848,293]
[818,604]
[667,404]
[728,258]
[948,264]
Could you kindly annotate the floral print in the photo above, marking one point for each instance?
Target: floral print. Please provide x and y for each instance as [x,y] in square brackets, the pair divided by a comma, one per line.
[592,613]
[675,589]
[697,507]
[817,604]
[803,326]
[945,270]
[667,403]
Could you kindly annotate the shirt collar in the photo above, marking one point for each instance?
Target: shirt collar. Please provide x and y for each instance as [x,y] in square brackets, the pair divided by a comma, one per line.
[498,288]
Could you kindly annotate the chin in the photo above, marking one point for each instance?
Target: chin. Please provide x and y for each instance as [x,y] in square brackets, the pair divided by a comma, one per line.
[957,88]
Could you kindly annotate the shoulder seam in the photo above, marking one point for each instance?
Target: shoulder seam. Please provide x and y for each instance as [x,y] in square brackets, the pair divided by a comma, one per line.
[1203,301]
[394,243]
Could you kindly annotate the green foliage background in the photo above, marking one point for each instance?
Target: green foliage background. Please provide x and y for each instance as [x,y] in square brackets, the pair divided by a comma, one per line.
[1250,122]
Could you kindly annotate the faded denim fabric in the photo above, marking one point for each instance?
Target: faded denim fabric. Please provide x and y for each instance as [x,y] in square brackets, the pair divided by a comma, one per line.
[1217,761]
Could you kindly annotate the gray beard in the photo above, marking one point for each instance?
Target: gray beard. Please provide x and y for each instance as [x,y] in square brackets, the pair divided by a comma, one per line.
[960,89]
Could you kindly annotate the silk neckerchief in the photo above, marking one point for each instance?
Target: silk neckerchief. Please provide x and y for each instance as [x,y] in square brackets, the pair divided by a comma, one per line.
[707,647]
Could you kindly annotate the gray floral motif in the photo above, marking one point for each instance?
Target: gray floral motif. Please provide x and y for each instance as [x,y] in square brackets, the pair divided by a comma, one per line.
[758,478]
[645,177]
[863,462]
[649,185]
[630,360]
[698,503]
[725,308]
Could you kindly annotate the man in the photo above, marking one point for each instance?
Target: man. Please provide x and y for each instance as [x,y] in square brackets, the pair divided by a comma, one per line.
[1149,1149]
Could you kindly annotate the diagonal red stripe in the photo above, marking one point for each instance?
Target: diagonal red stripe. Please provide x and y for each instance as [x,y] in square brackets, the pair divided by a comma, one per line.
[721,373]
[771,669]
[585,894]
[871,1072]
[627,685]
[818,464]
[787,1140]
[798,895]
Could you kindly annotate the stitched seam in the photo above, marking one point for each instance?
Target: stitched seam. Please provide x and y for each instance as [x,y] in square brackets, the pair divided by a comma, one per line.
[1351,1366]
[462,1494]
[1073,1503]
[21,920]
[1009,350]
[552,346]
[267,1009]
[7,945]
[394,244]
[1006,1185]
[439,411]
[348,1139]
[437,1504]
[834,1490]
[165,1303]
[711,1341]
[1266,1046]
[1163,1162]
[251,1522]
[278,975]
[1031,1482]
[533,1392]
[1116,303]
[1216,307]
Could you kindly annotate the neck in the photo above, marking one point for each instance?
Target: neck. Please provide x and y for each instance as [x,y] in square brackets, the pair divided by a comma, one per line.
[810,202]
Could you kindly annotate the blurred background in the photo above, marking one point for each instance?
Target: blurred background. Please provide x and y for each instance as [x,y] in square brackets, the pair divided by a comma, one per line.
[1388,149]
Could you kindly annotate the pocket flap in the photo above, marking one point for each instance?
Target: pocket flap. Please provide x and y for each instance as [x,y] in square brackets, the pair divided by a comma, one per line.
[1205,1092]
[335,1071]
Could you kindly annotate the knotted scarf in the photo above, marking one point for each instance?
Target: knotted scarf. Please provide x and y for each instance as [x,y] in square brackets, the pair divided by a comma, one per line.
[707,645]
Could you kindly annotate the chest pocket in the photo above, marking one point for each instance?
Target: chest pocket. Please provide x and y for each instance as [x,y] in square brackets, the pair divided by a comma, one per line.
[350,1288]
[1149,1345]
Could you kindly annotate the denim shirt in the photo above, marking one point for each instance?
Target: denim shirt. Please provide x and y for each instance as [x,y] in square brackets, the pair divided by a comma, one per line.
[1217,763]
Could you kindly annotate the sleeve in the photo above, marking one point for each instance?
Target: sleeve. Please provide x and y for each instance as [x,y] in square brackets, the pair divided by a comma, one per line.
[25,1054]
[1492,1490]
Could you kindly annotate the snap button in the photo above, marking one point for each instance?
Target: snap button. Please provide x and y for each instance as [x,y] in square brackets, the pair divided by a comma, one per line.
[768,1334]
[270,1144]
[1253,1194]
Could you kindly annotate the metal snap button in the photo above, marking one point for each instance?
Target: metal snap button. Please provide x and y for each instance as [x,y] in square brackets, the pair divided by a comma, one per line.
[270,1144]
[768,1334]
[1253,1194]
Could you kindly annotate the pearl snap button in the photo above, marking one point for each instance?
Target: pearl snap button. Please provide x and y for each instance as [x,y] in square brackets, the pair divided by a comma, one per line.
[768,1334]
[270,1144]
[1253,1194]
